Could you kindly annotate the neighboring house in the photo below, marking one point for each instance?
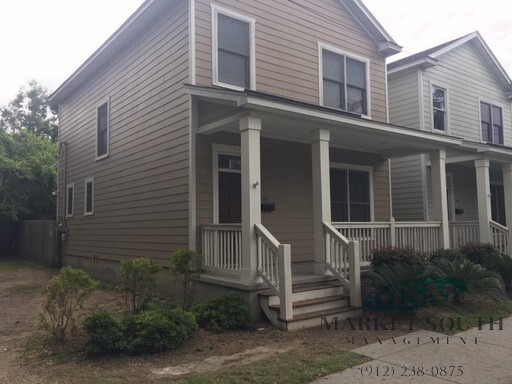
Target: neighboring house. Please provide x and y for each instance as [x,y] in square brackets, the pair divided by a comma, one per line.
[457,88]
[252,131]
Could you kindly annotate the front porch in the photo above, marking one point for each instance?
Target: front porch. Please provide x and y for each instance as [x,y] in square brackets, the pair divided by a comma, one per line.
[273,190]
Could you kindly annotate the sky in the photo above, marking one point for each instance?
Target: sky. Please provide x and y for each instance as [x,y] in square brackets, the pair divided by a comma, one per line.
[46,40]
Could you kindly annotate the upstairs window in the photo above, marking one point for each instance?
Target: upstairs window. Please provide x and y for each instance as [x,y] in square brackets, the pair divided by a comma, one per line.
[233,49]
[439,108]
[492,123]
[344,82]
[89,196]
[102,130]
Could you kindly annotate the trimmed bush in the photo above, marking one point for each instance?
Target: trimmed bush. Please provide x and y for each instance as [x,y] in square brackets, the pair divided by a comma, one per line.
[104,332]
[139,282]
[228,311]
[65,294]
[157,330]
[392,255]
[447,254]
[186,267]
[482,254]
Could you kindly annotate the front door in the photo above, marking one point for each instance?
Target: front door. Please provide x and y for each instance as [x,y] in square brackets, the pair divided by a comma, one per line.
[230,189]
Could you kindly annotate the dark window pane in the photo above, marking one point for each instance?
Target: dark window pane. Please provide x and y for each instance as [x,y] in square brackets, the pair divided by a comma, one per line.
[438,98]
[496,115]
[88,197]
[486,129]
[233,35]
[360,212]
[498,204]
[333,66]
[485,111]
[230,197]
[102,129]
[234,69]
[339,207]
[356,100]
[359,182]
[230,162]
[70,201]
[356,73]
[497,137]
[333,94]
[439,120]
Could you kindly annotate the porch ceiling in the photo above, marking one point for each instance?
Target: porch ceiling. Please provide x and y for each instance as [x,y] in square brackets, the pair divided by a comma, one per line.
[292,120]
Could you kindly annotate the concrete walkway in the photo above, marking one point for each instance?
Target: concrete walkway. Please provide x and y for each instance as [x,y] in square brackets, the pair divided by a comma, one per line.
[418,359]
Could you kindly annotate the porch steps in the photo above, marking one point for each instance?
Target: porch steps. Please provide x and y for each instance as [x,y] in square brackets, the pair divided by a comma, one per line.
[310,302]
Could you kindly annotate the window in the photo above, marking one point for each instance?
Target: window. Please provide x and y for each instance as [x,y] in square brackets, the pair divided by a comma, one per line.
[492,123]
[102,130]
[89,196]
[233,47]
[350,195]
[439,108]
[498,203]
[70,200]
[344,82]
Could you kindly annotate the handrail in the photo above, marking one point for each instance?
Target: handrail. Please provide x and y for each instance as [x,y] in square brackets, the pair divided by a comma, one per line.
[275,268]
[499,226]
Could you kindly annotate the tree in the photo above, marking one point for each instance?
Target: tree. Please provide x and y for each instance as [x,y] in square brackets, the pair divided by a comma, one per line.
[31,110]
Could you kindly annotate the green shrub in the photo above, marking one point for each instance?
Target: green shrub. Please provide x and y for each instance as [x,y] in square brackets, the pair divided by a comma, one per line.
[185,267]
[480,253]
[502,264]
[462,277]
[104,332]
[139,282]
[447,254]
[228,311]
[392,255]
[401,286]
[157,330]
[65,294]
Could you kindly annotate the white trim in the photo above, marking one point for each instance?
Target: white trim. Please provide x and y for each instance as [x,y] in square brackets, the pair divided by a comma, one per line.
[192,41]
[220,149]
[365,60]
[72,186]
[106,154]
[386,84]
[446,109]
[86,181]
[424,187]
[192,183]
[421,101]
[364,168]
[450,191]
[215,10]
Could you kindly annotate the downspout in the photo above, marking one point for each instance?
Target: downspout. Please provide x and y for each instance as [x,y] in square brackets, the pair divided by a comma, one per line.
[63,226]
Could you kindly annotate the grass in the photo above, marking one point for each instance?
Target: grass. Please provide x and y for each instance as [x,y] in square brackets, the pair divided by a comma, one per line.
[9,264]
[25,289]
[293,367]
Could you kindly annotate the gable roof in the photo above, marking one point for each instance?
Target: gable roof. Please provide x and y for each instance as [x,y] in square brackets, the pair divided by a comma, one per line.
[138,21]
[429,57]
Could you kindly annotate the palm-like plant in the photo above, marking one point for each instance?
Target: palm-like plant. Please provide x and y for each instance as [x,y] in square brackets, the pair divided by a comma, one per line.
[502,265]
[463,276]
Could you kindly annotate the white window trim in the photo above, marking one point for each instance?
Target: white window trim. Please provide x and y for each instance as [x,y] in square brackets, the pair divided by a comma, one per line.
[492,104]
[446,109]
[106,101]
[220,149]
[327,47]
[72,186]
[364,168]
[216,9]
[86,181]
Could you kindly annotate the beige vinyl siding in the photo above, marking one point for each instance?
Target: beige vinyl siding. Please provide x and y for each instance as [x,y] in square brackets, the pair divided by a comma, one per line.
[407,186]
[141,188]
[468,80]
[404,104]
[287,37]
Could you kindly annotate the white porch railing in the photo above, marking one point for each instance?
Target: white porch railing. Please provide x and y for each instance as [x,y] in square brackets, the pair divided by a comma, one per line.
[464,232]
[499,236]
[342,258]
[421,236]
[222,247]
[275,268]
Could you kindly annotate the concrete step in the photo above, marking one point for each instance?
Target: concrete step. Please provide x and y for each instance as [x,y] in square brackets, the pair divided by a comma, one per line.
[307,292]
[315,319]
[317,304]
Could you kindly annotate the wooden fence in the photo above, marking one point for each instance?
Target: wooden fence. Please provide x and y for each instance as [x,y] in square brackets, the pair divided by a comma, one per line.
[38,241]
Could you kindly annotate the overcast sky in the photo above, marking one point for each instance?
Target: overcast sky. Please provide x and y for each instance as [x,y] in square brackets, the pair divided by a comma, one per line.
[47,40]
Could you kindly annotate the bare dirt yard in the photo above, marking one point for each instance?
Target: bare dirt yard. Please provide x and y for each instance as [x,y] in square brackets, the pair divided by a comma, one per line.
[26,358]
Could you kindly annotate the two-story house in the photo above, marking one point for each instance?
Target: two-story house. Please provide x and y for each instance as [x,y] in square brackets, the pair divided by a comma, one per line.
[460,89]
[255,132]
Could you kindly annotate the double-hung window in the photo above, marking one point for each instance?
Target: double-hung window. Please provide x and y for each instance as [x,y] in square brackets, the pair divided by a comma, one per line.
[350,195]
[492,123]
[102,130]
[344,82]
[70,200]
[89,196]
[439,108]
[233,49]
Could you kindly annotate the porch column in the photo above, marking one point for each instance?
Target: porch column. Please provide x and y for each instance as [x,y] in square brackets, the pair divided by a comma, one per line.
[483,191]
[507,188]
[250,128]
[439,197]
[321,193]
